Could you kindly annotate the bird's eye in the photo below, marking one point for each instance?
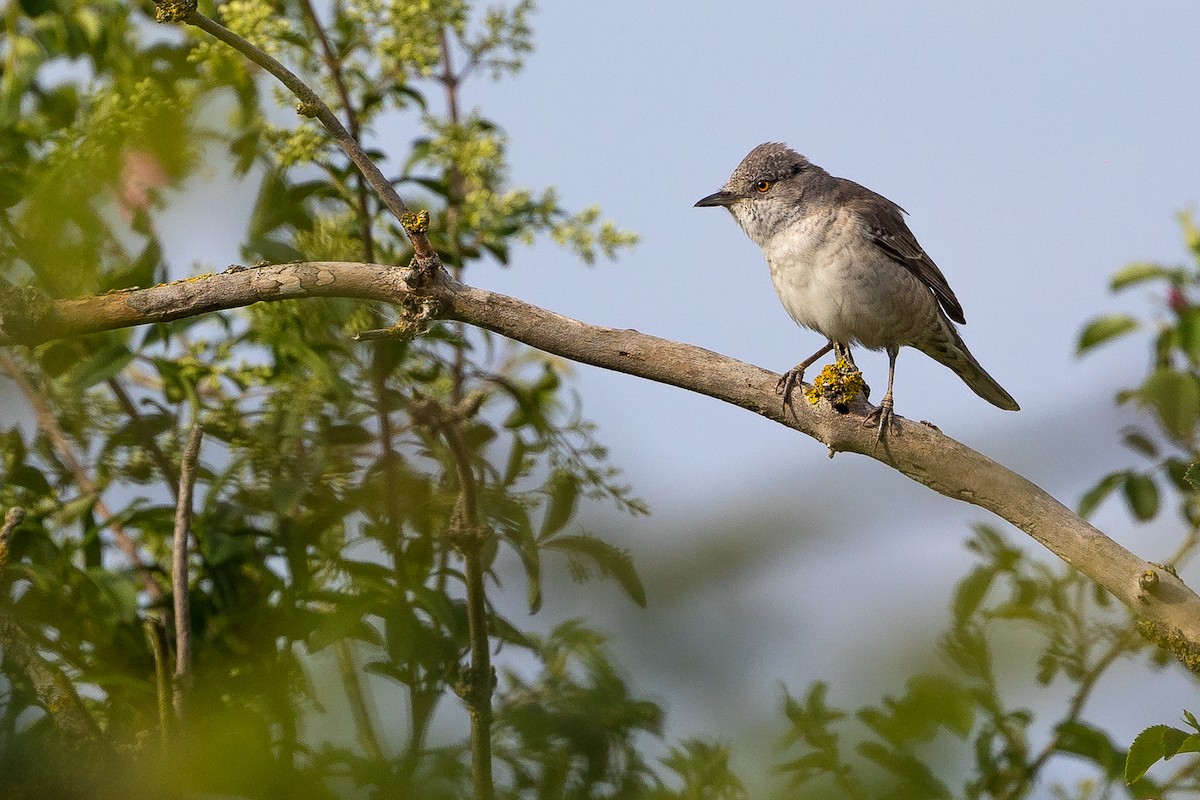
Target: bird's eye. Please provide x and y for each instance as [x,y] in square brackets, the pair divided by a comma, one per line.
[762,186]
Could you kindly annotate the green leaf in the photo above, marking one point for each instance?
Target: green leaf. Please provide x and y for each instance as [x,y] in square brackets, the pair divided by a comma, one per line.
[1175,396]
[142,271]
[58,357]
[970,593]
[812,720]
[1142,495]
[930,703]
[1155,743]
[563,488]
[1140,272]
[387,670]
[1188,331]
[1082,739]
[12,186]
[100,366]
[519,533]
[29,477]
[612,562]
[137,430]
[532,563]
[518,463]
[1102,329]
[340,625]
[917,779]
[1141,443]
[809,766]
[348,435]
[118,593]
[1093,497]
[368,576]
[1048,666]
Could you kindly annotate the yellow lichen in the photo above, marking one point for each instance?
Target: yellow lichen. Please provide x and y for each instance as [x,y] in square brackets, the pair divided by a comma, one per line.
[415,223]
[1172,640]
[838,383]
[173,10]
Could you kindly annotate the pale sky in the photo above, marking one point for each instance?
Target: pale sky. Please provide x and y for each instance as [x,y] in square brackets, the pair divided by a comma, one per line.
[1038,147]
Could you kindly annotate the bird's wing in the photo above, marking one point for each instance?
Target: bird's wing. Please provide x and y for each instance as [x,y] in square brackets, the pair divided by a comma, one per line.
[884,221]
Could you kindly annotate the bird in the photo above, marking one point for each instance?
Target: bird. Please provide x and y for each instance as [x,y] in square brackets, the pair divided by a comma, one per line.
[845,264]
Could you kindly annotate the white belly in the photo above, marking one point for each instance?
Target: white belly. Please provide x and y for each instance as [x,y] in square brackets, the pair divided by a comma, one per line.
[845,287]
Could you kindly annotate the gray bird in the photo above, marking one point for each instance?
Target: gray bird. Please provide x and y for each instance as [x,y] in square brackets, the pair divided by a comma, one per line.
[845,264]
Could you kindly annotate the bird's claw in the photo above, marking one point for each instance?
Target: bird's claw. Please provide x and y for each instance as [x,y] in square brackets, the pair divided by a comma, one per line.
[882,418]
[788,382]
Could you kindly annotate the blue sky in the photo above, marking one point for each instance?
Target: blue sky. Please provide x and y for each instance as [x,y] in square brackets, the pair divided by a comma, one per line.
[1038,147]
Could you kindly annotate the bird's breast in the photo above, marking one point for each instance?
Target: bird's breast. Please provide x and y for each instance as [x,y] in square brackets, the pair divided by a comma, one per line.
[833,280]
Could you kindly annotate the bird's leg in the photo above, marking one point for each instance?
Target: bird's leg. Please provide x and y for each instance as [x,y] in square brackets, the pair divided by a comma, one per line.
[789,379]
[842,350]
[883,414]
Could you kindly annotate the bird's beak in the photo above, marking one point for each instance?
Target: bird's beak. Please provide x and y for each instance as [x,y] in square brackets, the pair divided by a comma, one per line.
[721,198]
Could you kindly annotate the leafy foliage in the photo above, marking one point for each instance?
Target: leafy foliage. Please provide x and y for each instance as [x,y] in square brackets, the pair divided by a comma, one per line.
[1160,742]
[1072,634]
[1170,393]
[331,493]
[349,495]
[1171,396]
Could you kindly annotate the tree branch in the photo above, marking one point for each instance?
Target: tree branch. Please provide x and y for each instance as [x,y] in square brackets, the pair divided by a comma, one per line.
[333,63]
[179,570]
[55,691]
[14,517]
[476,685]
[919,451]
[156,639]
[312,105]
[53,688]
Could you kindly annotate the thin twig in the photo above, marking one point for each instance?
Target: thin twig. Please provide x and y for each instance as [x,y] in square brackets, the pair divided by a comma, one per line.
[470,536]
[54,689]
[179,570]
[479,695]
[311,103]
[1119,647]
[162,683]
[21,653]
[14,517]
[1186,548]
[1177,780]
[334,64]
[364,726]
[454,197]
[391,480]
[147,438]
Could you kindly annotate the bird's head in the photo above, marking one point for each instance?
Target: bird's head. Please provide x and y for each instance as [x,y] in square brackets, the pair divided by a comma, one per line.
[767,190]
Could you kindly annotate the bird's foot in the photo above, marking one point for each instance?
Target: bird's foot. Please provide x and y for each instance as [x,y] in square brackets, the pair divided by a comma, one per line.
[788,383]
[882,418]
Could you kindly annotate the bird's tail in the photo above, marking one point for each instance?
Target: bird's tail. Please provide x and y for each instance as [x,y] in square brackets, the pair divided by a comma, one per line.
[949,349]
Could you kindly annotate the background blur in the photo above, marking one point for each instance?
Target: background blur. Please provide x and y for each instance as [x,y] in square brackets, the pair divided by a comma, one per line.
[1037,147]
